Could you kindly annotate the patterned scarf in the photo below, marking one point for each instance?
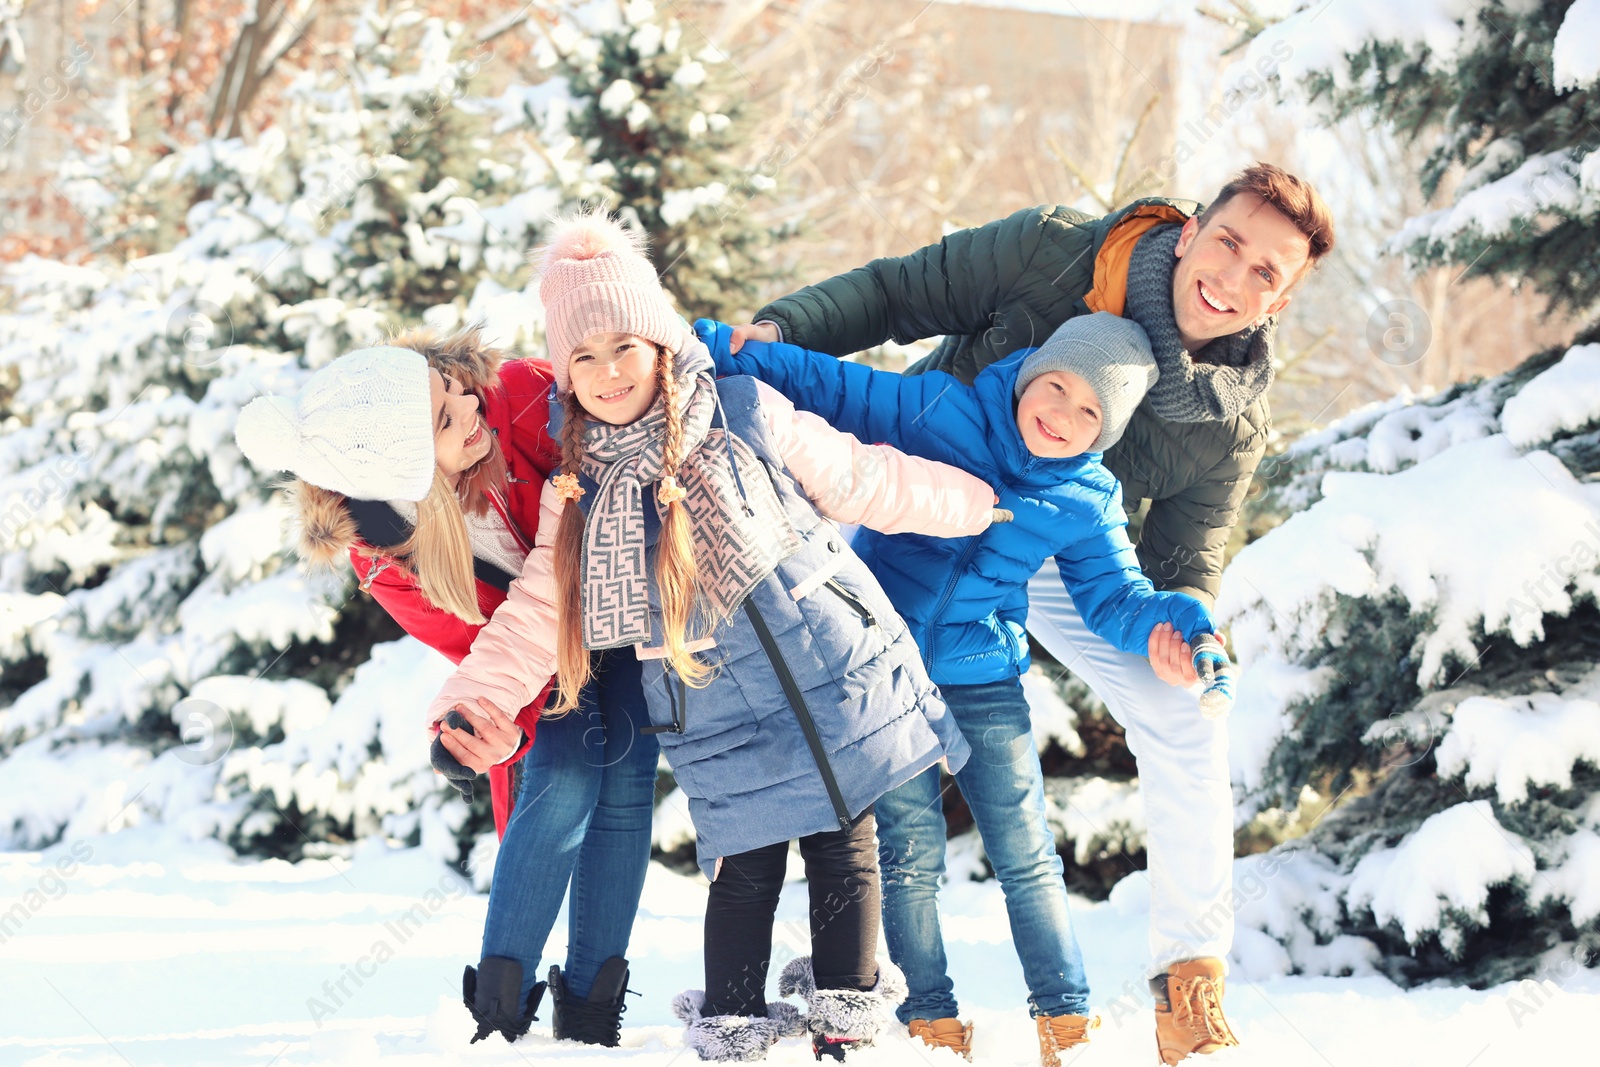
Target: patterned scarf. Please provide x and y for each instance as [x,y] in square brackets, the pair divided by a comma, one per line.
[1225,376]
[739,528]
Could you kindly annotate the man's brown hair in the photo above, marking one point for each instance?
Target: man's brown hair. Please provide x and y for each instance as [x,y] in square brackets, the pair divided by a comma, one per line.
[1293,197]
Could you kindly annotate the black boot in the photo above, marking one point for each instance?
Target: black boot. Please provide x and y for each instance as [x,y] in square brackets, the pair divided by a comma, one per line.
[597,1020]
[490,994]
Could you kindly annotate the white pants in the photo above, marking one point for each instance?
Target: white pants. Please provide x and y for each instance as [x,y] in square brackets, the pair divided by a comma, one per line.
[1183,776]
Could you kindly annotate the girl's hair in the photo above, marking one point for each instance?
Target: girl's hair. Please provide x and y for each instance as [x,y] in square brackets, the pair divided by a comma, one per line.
[675,565]
[439,550]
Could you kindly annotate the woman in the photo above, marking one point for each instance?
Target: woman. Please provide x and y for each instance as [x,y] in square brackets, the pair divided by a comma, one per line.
[424,460]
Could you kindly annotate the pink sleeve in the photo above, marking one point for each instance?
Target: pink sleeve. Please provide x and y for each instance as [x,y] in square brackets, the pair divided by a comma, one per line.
[514,655]
[874,485]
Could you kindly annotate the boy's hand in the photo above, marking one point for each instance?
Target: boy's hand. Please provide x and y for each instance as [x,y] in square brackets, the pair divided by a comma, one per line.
[497,739]
[752,331]
[1171,656]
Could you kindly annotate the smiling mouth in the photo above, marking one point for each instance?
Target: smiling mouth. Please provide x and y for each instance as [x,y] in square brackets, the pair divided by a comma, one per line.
[1212,302]
[617,394]
[474,436]
[1047,434]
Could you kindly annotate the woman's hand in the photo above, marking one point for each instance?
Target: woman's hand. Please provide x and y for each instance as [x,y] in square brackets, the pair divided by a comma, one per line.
[497,739]
[1172,657]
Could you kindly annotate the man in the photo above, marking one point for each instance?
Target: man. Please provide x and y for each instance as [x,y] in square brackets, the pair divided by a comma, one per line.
[1206,288]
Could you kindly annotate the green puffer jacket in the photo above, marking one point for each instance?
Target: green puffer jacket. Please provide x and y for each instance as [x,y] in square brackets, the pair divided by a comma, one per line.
[994,289]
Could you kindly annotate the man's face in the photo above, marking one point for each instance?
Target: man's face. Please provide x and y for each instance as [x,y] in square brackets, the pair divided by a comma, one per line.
[1236,271]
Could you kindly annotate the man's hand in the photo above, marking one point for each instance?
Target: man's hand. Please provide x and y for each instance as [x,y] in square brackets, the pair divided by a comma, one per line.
[1172,657]
[752,331]
[497,740]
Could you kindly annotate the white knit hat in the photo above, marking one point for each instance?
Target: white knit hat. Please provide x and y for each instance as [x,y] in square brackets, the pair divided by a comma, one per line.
[362,426]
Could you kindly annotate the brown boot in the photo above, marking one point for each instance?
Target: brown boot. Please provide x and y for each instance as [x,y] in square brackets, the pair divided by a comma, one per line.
[1189,1015]
[1058,1033]
[944,1033]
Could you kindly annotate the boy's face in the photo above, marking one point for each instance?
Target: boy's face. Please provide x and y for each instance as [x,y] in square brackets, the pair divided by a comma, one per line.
[1059,415]
[613,376]
[1235,271]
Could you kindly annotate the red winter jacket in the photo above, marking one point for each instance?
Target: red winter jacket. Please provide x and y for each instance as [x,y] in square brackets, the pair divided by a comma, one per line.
[515,406]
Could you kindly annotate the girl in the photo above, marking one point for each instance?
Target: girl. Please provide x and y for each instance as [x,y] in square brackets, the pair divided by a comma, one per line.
[687,529]
[424,460]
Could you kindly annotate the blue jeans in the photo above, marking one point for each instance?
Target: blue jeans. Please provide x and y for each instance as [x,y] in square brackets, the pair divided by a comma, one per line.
[1004,787]
[582,818]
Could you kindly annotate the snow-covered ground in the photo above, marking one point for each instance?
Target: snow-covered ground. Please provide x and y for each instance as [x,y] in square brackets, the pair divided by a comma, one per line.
[138,948]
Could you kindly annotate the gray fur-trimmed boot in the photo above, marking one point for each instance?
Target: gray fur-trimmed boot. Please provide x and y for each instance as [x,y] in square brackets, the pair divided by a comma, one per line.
[842,1019]
[734,1038]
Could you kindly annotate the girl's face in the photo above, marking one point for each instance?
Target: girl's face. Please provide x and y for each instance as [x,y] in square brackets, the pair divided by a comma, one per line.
[460,436]
[1059,415]
[613,376]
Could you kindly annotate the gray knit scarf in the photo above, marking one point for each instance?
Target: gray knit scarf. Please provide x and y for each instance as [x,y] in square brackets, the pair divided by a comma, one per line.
[1217,382]
[740,530]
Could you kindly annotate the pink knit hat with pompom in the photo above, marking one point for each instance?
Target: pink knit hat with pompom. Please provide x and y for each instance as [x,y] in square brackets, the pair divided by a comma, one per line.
[594,277]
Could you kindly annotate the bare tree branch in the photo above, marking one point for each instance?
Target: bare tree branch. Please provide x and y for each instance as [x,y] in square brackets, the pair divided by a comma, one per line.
[1117,190]
[1077,172]
[263,40]
[502,25]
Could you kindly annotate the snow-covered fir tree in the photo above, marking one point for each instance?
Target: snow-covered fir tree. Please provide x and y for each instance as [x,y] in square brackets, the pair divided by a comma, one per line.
[1420,635]
[650,122]
[155,628]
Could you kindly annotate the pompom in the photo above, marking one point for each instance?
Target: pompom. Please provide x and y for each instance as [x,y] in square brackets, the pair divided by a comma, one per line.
[588,234]
[268,433]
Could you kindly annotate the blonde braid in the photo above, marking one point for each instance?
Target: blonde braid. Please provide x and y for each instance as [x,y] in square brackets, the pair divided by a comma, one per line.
[675,564]
[672,449]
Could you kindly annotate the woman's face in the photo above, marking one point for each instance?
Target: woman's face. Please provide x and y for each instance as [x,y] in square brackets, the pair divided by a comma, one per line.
[460,436]
[613,376]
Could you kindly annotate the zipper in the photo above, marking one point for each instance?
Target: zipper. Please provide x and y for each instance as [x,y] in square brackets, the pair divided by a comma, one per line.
[797,703]
[509,476]
[949,591]
[854,601]
[379,565]
[680,710]
[961,565]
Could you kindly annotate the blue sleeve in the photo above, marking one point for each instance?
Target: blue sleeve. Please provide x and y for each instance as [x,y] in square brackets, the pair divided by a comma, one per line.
[1116,600]
[875,406]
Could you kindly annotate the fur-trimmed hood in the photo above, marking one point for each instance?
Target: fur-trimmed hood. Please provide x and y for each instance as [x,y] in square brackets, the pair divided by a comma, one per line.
[323,528]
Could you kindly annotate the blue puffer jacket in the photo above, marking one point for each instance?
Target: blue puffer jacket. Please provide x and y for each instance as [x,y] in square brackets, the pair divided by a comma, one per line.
[738,747]
[966,598]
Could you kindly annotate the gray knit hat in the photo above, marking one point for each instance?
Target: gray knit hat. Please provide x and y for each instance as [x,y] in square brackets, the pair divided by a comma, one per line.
[1109,352]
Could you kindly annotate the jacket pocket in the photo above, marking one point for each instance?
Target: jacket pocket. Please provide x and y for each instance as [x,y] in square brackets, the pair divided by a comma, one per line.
[854,602]
[704,766]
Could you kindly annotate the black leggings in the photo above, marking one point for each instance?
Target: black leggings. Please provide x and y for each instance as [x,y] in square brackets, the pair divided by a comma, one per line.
[842,872]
